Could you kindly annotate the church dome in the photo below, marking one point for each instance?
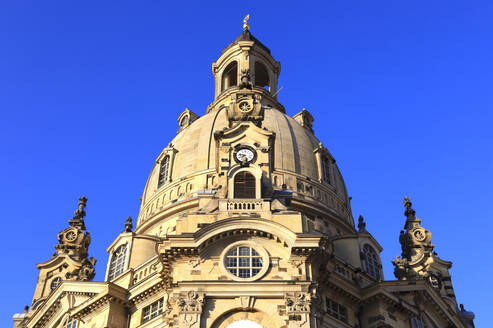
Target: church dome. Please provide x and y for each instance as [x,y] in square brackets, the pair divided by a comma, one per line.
[192,163]
[244,222]
[244,147]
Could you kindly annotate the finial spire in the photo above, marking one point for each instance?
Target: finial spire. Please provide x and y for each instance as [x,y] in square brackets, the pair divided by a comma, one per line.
[79,214]
[246,27]
[416,247]
[128,224]
[408,205]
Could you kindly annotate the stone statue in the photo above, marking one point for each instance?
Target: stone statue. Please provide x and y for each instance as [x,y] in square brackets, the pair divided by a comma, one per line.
[128,224]
[79,212]
[245,82]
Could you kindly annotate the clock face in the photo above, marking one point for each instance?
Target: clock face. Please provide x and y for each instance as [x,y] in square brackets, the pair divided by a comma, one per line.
[245,155]
[70,236]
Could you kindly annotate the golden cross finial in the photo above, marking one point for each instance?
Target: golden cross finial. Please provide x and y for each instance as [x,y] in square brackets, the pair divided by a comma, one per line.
[246,27]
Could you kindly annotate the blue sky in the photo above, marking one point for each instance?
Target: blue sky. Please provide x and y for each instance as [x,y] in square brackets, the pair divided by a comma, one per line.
[401,93]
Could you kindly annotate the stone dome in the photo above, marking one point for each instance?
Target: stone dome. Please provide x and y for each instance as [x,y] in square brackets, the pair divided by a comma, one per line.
[194,151]
[287,167]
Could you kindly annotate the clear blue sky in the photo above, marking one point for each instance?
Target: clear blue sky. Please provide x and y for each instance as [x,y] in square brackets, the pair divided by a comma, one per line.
[401,92]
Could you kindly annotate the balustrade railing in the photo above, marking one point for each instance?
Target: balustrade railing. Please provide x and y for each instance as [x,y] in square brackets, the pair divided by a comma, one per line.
[244,205]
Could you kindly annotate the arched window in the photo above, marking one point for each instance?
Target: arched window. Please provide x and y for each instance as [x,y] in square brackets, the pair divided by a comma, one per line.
[117,263]
[163,171]
[55,283]
[244,185]
[261,76]
[371,264]
[418,322]
[326,170]
[230,76]
[70,323]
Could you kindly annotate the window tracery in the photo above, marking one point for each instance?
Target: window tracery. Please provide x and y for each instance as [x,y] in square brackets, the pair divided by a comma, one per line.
[163,171]
[371,263]
[336,310]
[117,263]
[244,184]
[243,262]
[326,170]
[153,310]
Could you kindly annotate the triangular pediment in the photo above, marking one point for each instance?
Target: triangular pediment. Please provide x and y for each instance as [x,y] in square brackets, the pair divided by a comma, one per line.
[419,291]
[68,295]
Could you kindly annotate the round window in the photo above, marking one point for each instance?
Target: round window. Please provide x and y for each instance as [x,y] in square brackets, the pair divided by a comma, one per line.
[245,262]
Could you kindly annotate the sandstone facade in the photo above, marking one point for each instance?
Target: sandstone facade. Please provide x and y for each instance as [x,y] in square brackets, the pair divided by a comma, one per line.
[245,221]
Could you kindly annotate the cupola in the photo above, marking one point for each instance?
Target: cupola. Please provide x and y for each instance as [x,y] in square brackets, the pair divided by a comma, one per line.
[246,64]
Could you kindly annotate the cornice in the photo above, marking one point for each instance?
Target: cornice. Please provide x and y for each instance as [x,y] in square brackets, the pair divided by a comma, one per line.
[422,287]
[55,260]
[112,294]
[51,305]
[149,292]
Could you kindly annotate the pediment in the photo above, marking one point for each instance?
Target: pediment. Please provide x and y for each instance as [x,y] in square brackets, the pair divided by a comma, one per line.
[238,226]
[67,296]
[420,291]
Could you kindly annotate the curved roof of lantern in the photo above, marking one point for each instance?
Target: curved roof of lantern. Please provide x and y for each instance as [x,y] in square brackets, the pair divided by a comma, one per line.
[246,36]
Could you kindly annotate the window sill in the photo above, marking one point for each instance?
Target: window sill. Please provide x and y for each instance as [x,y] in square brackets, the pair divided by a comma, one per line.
[158,321]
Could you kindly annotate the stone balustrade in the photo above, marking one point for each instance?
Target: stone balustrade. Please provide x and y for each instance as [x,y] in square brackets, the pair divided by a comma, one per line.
[244,205]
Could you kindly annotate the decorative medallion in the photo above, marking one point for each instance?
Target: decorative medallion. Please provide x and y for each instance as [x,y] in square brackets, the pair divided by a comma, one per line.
[419,234]
[245,107]
[70,236]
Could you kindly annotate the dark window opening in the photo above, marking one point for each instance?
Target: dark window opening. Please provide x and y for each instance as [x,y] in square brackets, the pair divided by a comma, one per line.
[418,322]
[371,262]
[336,310]
[230,76]
[163,172]
[55,283]
[326,170]
[244,185]
[261,76]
